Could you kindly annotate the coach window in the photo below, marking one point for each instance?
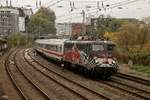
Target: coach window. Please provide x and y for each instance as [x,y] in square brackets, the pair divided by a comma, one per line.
[40,45]
[97,47]
[59,48]
[36,44]
[55,48]
[51,47]
[48,47]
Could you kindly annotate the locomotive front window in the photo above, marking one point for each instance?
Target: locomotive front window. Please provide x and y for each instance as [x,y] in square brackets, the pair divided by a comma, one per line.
[110,47]
[97,47]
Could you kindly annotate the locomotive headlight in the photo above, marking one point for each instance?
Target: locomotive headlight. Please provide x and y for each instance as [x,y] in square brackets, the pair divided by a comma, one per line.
[96,61]
[113,62]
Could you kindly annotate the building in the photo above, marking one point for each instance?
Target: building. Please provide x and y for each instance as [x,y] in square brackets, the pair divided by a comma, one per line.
[8,20]
[27,12]
[12,19]
[94,23]
[77,28]
[63,29]
[146,20]
[69,28]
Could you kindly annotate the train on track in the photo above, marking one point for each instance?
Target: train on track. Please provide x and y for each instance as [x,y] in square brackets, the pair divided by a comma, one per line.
[91,57]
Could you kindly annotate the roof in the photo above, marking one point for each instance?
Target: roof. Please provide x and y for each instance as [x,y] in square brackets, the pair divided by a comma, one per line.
[62,41]
[51,41]
[89,42]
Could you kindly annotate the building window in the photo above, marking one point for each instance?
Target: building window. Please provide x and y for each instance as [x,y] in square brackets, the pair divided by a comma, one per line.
[7,11]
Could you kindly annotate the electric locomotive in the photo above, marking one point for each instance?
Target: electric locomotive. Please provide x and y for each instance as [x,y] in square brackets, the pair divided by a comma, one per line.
[92,58]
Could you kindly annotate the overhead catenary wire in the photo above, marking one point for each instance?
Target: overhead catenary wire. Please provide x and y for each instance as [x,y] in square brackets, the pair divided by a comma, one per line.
[89,1]
[1,4]
[118,5]
[55,3]
[93,9]
[48,2]
[72,6]
[110,7]
[66,19]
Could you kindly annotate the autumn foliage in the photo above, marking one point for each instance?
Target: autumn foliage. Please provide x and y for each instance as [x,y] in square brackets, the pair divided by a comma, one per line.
[133,42]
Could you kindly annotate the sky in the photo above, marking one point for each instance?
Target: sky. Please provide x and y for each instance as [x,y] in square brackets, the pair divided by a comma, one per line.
[72,10]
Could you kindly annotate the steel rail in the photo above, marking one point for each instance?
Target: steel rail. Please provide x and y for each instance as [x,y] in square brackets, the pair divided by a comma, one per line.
[133,78]
[125,90]
[56,80]
[120,88]
[11,76]
[94,92]
[134,88]
[31,81]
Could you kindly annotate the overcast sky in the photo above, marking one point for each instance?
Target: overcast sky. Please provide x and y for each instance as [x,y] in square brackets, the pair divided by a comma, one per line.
[137,9]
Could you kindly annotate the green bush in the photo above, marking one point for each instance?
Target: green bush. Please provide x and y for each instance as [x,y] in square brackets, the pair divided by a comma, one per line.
[137,58]
[142,69]
[19,39]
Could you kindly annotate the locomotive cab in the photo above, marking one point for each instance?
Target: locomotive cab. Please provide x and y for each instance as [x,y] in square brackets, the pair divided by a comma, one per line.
[106,63]
[94,57]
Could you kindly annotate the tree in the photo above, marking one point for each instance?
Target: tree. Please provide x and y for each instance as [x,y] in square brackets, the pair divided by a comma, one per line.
[114,25]
[132,40]
[43,22]
[133,36]
[102,25]
[91,31]
[146,20]
[108,24]
[128,35]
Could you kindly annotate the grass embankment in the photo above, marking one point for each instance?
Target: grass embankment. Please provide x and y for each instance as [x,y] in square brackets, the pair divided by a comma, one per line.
[142,70]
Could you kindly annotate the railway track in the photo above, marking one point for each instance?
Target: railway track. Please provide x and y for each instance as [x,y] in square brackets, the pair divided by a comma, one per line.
[125,87]
[133,78]
[21,82]
[81,90]
[131,89]
[102,89]
[132,85]
[7,62]
[16,73]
